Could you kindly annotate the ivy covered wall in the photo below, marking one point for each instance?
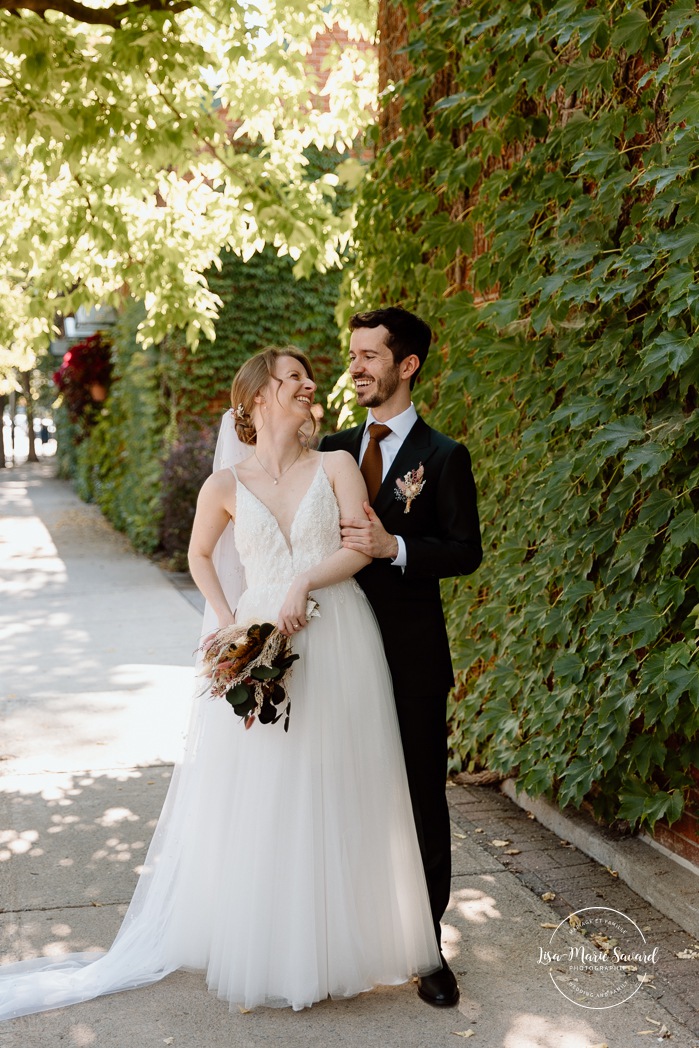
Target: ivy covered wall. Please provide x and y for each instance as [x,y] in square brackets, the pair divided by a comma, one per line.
[535,196]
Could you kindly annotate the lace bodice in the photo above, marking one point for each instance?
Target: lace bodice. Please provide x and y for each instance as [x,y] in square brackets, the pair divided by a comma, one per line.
[315,534]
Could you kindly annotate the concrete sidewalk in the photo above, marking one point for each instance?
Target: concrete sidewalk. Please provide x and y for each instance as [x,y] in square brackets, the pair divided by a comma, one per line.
[95,663]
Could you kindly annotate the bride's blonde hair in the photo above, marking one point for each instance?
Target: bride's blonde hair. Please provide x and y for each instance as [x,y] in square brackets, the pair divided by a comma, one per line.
[251,378]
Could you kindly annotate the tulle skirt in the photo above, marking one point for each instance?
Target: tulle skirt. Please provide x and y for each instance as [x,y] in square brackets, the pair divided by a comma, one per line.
[285,864]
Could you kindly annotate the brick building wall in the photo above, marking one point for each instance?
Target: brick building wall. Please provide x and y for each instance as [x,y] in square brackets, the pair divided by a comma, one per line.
[682,837]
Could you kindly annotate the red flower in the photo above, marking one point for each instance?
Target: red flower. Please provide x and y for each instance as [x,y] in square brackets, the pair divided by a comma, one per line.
[86,365]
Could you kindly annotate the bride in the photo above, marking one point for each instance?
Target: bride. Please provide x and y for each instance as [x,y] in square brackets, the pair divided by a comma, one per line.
[285,864]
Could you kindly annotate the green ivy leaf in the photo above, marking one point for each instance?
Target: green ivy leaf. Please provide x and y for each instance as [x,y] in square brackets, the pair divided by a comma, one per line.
[536,71]
[643,620]
[656,508]
[680,243]
[648,459]
[631,31]
[635,801]
[686,109]
[616,435]
[569,667]
[684,529]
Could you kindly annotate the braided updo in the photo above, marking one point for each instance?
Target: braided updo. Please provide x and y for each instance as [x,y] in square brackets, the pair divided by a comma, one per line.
[251,378]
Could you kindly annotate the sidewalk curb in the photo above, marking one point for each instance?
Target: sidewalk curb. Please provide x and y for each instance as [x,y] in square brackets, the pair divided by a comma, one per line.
[664,884]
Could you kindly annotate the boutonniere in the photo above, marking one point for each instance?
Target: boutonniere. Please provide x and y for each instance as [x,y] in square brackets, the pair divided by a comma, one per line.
[409,487]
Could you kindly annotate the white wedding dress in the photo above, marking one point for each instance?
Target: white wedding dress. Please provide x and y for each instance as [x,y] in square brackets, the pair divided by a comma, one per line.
[284,865]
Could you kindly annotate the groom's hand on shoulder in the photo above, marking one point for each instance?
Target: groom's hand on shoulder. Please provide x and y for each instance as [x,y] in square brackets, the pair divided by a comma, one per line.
[368,535]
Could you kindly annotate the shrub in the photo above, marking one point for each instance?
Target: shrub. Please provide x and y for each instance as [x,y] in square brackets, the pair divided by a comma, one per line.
[186,467]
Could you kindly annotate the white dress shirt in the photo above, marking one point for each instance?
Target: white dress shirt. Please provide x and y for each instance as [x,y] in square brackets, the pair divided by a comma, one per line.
[400,426]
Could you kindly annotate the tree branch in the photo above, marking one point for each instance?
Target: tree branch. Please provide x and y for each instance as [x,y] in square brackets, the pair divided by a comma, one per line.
[112,15]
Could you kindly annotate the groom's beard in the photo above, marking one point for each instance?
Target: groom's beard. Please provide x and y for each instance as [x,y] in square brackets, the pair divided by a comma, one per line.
[380,391]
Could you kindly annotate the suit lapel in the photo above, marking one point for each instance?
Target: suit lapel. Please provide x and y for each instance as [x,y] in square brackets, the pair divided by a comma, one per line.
[354,442]
[415,449]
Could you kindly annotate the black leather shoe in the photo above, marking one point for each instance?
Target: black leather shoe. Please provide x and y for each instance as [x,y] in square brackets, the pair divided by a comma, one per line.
[440,988]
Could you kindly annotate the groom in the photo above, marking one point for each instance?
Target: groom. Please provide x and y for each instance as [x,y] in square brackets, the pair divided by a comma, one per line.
[421,525]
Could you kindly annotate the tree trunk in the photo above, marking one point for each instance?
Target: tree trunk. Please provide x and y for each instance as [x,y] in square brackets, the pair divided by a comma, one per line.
[393,65]
[3,404]
[26,380]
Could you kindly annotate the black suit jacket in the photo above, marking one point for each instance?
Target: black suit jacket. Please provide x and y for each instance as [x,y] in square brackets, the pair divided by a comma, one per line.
[442,539]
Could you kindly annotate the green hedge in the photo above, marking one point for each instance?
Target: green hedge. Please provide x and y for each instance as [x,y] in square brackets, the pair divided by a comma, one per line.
[540,208]
[119,464]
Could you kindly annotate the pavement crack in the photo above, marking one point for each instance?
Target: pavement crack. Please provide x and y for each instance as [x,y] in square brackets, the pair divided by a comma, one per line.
[65,906]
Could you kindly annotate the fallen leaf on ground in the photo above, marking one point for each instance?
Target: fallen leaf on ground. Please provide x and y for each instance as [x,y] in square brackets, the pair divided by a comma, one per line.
[168,1040]
[547,924]
[687,955]
[531,815]
[645,978]
[461,836]
[244,1011]
[603,941]
[513,851]
[547,896]
[640,1033]
[654,1021]
[602,1044]
[614,873]
[574,921]
[478,830]
[664,1032]
[499,843]
[464,1033]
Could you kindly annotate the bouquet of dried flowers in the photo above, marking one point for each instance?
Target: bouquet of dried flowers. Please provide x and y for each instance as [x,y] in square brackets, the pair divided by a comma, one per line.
[249,666]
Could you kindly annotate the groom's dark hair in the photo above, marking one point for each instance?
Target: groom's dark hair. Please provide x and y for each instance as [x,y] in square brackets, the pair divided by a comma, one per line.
[407,333]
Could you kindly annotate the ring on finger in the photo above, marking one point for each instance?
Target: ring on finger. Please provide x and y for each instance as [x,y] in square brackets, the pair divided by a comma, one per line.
[297,626]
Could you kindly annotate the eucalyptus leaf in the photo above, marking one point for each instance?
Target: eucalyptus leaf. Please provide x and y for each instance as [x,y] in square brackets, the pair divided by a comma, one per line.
[266,673]
[238,695]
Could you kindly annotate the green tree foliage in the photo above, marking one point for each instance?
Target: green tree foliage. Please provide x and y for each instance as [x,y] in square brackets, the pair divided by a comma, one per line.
[133,150]
[539,206]
[262,304]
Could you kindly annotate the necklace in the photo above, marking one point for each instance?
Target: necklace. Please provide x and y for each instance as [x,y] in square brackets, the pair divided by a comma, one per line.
[285,470]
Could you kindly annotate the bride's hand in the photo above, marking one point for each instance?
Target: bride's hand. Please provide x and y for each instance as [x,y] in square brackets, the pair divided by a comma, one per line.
[225,620]
[292,615]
